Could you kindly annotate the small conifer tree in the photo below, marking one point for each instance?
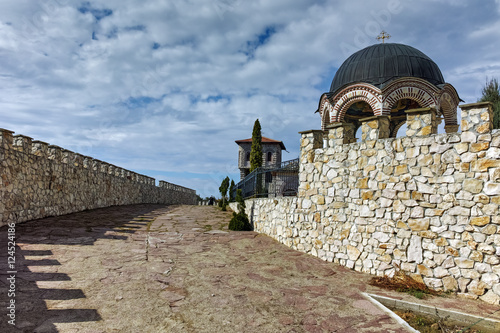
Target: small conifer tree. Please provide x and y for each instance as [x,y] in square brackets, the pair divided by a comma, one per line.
[256,150]
[223,190]
[231,189]
[491,93]
[240,221]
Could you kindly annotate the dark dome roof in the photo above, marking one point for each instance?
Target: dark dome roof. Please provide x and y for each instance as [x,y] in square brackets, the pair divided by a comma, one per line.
[381,63]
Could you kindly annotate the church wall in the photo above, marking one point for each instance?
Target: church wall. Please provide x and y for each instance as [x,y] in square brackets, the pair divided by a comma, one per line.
[427,204]
[38,180]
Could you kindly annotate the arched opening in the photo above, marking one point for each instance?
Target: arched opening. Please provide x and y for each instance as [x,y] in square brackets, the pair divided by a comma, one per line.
[247,157]
[269,157]
[448,111]
[399,130]
[398,116]
[357,111]
[325,118]
[358,134]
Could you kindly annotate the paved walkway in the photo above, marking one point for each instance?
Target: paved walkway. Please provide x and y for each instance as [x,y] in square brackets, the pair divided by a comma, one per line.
[151,268]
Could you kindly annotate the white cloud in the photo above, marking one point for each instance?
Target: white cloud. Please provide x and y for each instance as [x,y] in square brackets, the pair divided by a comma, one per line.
[167,86]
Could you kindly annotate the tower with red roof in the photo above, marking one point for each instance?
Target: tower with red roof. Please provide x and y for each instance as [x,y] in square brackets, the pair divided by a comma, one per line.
[271,154]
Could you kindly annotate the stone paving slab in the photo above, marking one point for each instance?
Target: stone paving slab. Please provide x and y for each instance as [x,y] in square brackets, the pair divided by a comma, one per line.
[152,268]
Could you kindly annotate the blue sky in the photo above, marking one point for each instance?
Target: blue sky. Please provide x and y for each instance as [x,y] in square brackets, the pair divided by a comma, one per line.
[164,88]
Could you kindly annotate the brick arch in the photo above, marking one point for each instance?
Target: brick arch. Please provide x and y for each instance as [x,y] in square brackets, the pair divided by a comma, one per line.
[325,119]
[396,128]
[420,91]
[341,113]
[448,101]
[357,93]
[324,108]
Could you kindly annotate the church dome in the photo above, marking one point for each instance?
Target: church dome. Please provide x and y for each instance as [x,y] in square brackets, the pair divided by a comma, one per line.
[379,64]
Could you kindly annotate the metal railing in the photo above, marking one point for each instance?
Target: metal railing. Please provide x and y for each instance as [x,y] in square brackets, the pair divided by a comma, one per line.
[282,181]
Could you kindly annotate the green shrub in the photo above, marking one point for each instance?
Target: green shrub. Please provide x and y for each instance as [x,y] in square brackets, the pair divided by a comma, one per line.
[240,221]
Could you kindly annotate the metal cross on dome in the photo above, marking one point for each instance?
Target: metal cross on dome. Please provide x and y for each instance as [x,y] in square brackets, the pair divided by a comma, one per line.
[383,36]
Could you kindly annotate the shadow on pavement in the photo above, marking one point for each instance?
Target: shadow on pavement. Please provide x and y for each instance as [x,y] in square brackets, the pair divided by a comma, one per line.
[37,281]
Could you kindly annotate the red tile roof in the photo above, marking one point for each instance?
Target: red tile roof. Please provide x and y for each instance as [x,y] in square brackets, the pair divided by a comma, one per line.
[264,140]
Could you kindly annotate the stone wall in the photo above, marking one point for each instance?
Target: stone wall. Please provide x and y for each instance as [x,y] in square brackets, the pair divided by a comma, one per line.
[427,203]
[39,180]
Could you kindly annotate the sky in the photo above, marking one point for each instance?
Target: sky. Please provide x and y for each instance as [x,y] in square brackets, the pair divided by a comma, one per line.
[165,87]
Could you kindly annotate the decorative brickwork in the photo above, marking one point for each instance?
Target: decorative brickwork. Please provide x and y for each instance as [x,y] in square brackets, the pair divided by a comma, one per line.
[444,100]
[359,92]
[415,89]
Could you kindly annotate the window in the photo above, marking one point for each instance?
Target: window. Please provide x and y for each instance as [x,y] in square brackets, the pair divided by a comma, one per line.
[248,156]
[269,156]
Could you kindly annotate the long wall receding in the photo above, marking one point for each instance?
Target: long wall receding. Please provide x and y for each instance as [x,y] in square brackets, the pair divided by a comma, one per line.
[39,180]
[427,204]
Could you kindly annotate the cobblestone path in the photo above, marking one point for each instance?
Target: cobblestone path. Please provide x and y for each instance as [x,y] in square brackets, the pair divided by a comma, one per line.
[151,268]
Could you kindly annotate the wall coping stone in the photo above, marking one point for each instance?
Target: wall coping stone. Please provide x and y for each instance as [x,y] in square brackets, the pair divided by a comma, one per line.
[336,125]
[420,111]
[22,136]
[310,131]
[475,105]
[373,118]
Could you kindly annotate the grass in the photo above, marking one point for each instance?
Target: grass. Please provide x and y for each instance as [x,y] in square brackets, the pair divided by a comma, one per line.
[426,324]
[415,293]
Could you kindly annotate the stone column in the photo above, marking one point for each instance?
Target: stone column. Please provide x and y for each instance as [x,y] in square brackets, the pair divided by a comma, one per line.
[340,133]
[421,122]
[6,138]
[477,120]
[22,143]
[78,160]
[374,128]
[87,162]
[96,165]
[67,156]
[310,140]
[40,148]
[55,153]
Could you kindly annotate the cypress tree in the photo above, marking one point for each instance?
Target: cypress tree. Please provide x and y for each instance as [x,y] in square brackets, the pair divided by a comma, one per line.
[231,189]
[223,190]
[256,151]
[491,93]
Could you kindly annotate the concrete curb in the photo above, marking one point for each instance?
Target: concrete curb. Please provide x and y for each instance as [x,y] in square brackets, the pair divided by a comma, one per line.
[482,323]
[394,316]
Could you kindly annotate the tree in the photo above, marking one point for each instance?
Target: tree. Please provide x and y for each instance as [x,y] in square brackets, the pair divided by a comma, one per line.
[231,189]
[223,190]
[240,221]
[256,151]
[491,93]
